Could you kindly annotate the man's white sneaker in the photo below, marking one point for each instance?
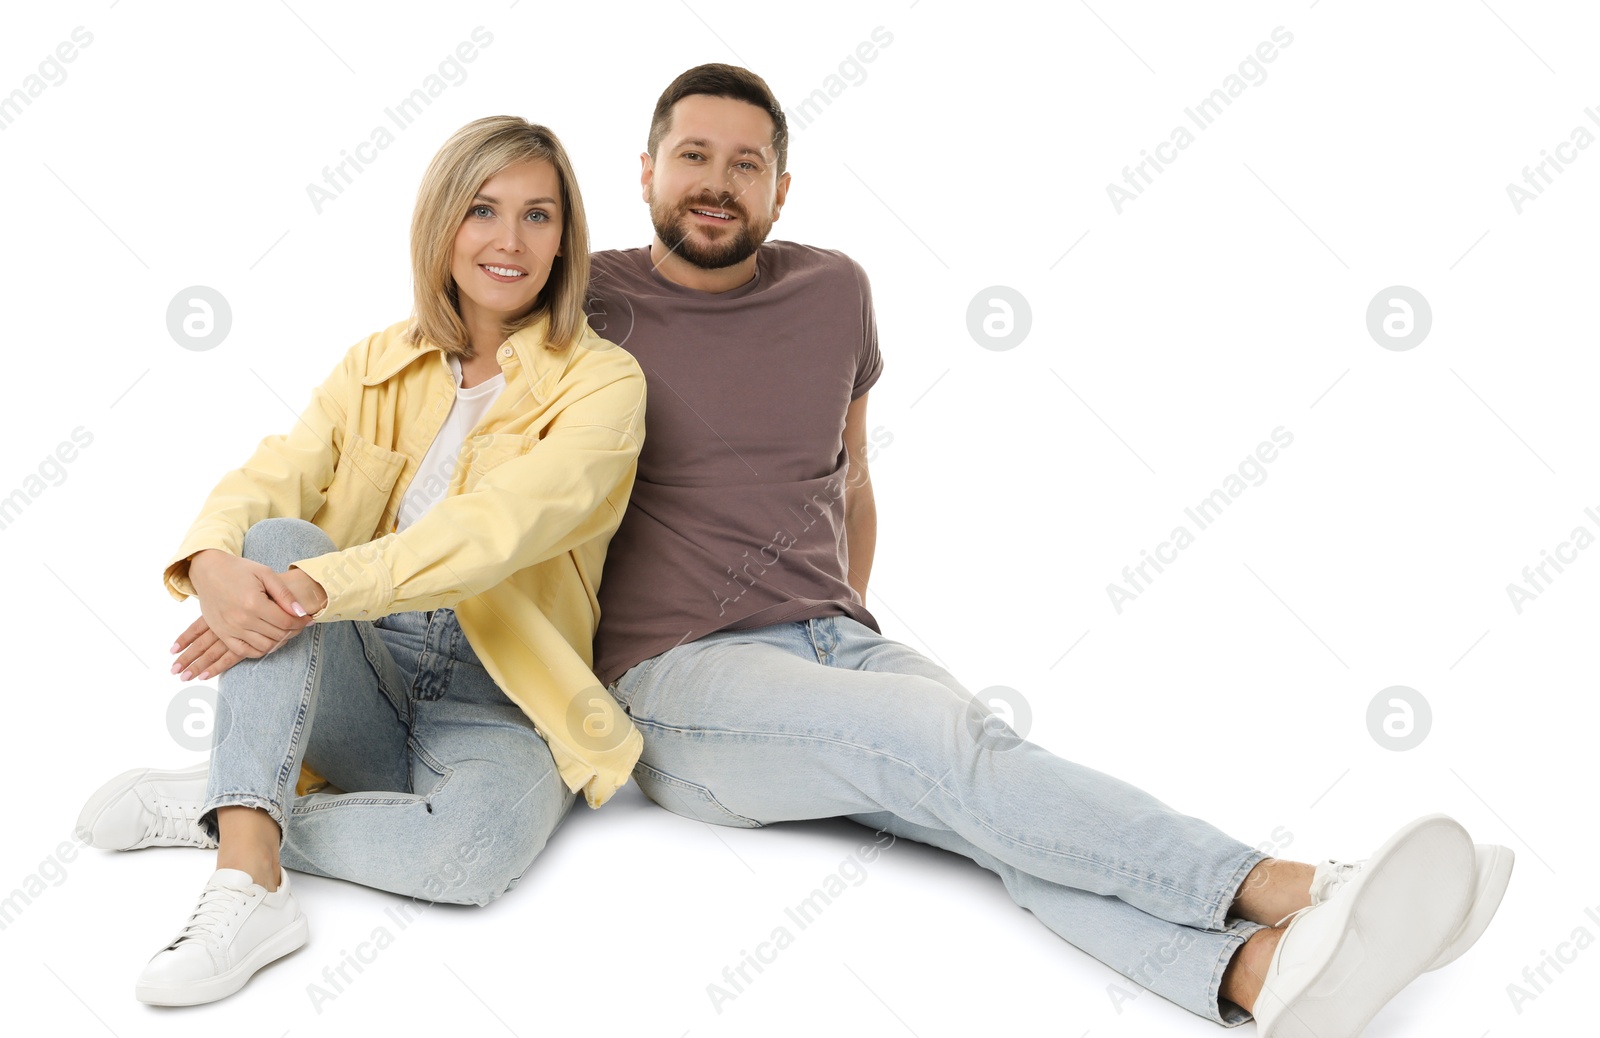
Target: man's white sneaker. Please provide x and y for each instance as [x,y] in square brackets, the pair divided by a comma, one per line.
[1491,875]
[237,928]
[147,808]
[1339,962]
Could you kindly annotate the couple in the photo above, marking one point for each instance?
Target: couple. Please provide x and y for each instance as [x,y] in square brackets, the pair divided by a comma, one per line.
[402,599]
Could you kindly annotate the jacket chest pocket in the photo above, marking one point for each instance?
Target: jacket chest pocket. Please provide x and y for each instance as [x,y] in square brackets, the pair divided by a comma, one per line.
[355,508]
[481,455]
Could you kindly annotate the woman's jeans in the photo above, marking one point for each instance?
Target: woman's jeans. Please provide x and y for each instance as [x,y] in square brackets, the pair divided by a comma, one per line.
[825,718]
[451,792]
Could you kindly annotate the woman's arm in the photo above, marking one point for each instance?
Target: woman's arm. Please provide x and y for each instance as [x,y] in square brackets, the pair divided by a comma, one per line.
[246,609]
[567,488]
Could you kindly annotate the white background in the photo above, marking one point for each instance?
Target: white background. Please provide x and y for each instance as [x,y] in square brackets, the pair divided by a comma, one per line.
[1166,342]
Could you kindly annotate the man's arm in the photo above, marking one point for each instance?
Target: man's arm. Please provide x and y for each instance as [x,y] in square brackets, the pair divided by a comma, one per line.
[860,510]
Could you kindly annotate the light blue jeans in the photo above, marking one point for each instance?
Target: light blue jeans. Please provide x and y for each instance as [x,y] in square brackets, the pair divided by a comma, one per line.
[826,718]
[451,793]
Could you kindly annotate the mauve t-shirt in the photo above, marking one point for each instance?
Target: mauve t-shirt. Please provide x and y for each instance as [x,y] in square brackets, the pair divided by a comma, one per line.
[737,514]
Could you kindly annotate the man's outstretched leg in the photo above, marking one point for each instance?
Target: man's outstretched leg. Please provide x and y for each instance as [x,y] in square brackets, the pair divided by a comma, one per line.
[809,720]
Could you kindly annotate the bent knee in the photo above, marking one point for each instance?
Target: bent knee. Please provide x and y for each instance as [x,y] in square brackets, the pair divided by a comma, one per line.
[281,542]
[476,862]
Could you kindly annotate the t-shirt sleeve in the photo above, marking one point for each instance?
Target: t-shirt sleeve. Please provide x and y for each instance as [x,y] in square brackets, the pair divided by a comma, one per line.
[869,362]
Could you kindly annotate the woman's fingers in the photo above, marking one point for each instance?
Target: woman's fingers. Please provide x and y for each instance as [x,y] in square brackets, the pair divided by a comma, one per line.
[204,665]
[260,623]
[280,594]
[210,668]
[190,633]
[243,649]
[196,648]
[227,660]
[260,642]
[205,654]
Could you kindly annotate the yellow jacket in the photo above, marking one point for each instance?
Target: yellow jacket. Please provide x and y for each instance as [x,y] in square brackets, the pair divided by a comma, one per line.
[515,547]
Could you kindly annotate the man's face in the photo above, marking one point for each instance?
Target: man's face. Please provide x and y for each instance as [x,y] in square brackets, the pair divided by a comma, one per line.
[712,186]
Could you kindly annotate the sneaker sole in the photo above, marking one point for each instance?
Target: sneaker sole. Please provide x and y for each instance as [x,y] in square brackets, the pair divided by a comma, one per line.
[290,938]
[119,787]
[1494,869]
[1391,929]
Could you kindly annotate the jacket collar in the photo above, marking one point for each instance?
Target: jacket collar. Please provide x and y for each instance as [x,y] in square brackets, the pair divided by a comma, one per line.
[528,343]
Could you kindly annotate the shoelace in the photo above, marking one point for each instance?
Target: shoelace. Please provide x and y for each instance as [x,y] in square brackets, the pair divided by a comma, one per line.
[1334,878]
[1325,884]
[217,906]
[175,820]
[1290,916]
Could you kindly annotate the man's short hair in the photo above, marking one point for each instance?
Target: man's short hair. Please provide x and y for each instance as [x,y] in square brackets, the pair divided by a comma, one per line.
[717,80]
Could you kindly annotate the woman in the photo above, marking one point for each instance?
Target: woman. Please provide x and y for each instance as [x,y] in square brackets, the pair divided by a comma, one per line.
[399,593]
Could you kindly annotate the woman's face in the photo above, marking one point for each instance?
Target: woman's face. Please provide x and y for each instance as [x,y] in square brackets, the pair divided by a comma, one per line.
[507,242]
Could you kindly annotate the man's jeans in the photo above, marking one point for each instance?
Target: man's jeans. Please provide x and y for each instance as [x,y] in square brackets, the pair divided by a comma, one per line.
[452,794]
[825,718]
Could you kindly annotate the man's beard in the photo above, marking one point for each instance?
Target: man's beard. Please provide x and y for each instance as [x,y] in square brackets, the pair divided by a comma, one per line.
[737,245]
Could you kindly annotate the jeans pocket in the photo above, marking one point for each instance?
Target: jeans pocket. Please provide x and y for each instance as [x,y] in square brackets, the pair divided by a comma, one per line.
[611,690]
[380,657]
[687,799]
[625,687]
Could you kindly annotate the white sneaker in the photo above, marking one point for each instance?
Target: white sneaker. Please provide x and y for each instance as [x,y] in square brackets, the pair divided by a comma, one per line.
[1341,961]
[236,929]
[1491,875]
[146,808]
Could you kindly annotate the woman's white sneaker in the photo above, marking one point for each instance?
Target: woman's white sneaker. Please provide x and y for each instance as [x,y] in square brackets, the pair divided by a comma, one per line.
[237,928]
[147,808]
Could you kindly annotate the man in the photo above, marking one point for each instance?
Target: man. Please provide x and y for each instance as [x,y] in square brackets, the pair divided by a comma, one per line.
[734,631]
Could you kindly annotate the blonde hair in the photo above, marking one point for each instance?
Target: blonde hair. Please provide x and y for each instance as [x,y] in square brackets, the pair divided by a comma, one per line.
[471,156]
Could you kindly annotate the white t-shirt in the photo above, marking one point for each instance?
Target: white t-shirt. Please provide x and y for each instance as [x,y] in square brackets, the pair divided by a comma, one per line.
[439,464]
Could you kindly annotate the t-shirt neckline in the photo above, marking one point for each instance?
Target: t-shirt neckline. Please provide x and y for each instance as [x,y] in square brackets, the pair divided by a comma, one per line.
[694,293]
[482,389]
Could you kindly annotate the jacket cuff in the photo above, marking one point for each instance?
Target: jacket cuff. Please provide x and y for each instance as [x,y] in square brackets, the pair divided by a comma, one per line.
[356,581]
[598,776]
[176,573]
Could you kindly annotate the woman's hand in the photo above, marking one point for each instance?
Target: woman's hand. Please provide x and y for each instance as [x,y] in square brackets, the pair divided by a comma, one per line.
[247,606]
[203,654]
[305,590]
